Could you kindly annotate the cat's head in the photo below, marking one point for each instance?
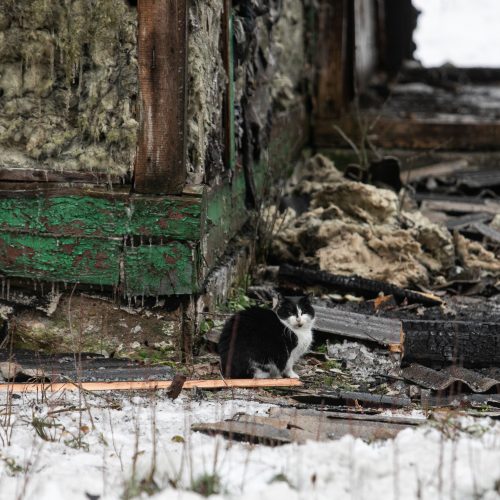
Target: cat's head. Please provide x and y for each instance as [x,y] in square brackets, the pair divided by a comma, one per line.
[296,313]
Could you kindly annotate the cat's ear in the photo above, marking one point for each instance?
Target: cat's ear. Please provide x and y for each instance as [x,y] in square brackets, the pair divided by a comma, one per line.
[277,300]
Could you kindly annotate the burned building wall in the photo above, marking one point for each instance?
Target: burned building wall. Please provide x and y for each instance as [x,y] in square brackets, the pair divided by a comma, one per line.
[68,85]
[207,82]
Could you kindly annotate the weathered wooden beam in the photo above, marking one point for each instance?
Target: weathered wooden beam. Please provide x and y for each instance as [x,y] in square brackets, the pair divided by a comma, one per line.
[87,215]
[279,412]
[347,398]
[384,331]
[166,269]
[441,169]
[298,427]
[459,204]
[451,132]
[160,166]
[335,54]
[65,259]
[148,385]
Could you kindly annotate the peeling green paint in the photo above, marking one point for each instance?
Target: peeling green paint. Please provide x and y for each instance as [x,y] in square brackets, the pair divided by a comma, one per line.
[87,237]
[88,216]
[67,259]
[160,270]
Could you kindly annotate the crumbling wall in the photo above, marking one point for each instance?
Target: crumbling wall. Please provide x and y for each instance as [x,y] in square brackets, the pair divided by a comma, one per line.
[207,85]
[68,84]
[270,69]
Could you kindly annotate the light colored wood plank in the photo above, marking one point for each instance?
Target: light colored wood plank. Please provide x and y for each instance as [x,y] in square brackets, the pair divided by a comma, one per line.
[149,385]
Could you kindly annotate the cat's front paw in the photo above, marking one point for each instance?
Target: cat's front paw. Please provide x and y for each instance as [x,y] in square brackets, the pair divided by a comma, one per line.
[291,374]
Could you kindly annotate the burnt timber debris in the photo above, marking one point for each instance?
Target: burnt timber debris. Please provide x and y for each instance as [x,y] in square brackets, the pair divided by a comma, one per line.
[283,427]
[353,284]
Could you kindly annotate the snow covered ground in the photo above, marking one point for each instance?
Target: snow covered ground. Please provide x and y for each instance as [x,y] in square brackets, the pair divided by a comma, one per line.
[461,32]
[90,454]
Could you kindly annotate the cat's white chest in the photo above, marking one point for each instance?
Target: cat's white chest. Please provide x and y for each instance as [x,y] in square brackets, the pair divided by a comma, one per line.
[304,340]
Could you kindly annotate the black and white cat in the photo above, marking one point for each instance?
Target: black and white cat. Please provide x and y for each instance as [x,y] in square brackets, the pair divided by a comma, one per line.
[266,343]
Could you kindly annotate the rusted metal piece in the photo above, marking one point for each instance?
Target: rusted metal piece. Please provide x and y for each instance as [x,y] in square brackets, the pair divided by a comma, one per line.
[384,331]
[160,166]
[441,343]
[353,284]
[443,379]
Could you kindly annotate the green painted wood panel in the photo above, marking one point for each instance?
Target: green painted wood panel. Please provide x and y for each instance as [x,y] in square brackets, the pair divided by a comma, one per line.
[160,269]
[100,217]
[66,259]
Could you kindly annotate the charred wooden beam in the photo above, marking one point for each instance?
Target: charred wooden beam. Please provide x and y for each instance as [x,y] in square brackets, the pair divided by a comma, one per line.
[464,343]
[353,284]
[160,166]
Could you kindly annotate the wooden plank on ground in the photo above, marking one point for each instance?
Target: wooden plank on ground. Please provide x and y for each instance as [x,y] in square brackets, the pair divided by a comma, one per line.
[441,169]
[384,331]
[162,57]
[149,385]
[458,206]
[286,427]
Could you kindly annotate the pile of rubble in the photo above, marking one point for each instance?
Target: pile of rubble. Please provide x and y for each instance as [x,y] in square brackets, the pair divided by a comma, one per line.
[348,227]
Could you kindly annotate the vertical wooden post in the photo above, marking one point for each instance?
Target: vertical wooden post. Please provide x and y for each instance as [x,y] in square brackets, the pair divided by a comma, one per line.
[162,56]
[228,55]
[335,60]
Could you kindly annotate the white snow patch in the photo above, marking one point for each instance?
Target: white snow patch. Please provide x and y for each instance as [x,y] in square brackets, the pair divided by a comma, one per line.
[419,463]
[462,32]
